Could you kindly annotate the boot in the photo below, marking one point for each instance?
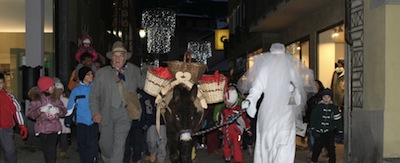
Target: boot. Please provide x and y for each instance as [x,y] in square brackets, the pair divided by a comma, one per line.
[228,160]
[63,154]
[152,158]
[250,149]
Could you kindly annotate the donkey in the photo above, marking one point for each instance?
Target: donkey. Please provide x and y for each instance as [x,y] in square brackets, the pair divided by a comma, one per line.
[182,120]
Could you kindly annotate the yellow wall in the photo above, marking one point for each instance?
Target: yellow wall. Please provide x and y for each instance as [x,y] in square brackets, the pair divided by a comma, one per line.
[374,58]
[17,40]
[381,71]
[392,84]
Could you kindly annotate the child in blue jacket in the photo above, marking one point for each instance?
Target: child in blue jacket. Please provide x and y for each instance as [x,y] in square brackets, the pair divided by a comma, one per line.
[87,131]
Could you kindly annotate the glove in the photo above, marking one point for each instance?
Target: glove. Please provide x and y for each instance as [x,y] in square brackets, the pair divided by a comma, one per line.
[23,131]
[250,111]
[245,104]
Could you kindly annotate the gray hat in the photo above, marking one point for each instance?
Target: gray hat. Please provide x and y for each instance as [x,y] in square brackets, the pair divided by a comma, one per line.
[118,47]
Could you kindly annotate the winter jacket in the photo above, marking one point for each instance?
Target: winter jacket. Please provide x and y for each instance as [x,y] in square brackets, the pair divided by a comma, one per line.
[325,118]
[147,104]
[10,110]
[104,94]
[243,123]
[83,114]
[89,50]
[47,124]
[311,104]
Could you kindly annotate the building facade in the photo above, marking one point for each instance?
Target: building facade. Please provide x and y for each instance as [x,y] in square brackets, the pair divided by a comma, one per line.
[321,32]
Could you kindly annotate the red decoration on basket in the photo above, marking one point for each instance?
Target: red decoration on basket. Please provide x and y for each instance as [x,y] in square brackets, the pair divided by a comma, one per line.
[213,87]
[162,72]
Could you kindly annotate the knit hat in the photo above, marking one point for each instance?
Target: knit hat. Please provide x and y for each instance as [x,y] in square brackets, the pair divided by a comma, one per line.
[59,85]
[2,76]
[82,72]
[86,40]
[326,92]
[118,47]
[44,83]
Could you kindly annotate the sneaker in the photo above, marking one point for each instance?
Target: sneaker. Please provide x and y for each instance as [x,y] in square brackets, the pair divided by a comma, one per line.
[228,160]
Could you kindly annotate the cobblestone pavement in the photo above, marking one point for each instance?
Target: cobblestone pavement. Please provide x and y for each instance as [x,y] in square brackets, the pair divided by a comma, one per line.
[31,154]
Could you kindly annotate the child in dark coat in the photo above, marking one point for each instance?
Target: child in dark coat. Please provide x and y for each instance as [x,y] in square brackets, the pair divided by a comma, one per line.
[325,118]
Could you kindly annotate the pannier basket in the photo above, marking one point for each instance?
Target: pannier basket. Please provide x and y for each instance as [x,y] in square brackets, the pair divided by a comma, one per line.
[156,79]
[196,70]
[213,87]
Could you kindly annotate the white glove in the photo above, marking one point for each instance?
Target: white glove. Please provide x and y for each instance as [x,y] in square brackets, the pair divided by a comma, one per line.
[251,111]
[245,104]
[54,110]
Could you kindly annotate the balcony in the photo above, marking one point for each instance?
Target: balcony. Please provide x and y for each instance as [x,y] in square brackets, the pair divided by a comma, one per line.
[276,15]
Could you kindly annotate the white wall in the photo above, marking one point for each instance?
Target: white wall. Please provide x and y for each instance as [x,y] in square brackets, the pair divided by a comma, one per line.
[326,63]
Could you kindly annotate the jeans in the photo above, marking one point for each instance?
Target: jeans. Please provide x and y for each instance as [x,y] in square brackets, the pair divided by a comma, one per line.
[88,138]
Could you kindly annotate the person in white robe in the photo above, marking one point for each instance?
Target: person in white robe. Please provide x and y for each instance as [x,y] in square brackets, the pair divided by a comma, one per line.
[284,80]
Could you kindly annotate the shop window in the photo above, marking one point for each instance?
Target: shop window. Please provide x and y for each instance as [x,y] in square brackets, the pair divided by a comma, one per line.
[331,49]
[300,50]
[250,58]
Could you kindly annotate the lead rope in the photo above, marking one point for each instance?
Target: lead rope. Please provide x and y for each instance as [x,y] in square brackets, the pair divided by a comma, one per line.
[230,120]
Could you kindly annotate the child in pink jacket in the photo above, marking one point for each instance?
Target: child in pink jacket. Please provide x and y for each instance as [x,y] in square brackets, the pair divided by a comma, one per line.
[46,109]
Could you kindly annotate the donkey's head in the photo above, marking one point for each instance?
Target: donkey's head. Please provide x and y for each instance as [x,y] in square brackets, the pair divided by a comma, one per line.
[182,120]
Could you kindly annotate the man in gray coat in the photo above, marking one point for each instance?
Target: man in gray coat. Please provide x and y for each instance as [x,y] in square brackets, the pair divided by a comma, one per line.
[106,103]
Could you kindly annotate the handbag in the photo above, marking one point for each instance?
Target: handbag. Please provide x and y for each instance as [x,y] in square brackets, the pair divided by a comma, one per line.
[129,99]
[71,119]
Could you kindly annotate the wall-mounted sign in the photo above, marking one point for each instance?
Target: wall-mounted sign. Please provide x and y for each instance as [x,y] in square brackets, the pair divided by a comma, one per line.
[221,36]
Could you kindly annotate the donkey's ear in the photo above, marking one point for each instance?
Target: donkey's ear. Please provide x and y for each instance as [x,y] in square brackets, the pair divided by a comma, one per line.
[193,92]
[176,94]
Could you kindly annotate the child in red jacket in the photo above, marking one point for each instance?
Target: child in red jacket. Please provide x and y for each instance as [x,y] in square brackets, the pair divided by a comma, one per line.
[10,112]
[232,133]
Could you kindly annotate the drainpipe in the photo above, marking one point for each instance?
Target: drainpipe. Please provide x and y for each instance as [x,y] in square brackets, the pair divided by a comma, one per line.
[348,90]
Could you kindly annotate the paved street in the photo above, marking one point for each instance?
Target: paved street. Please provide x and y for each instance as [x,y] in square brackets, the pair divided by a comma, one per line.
[31,154]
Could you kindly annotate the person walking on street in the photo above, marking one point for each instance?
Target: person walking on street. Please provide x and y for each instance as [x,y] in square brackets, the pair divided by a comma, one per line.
[107,104]
[136,140]
[87,131]
[63,138]
[280,77]
[10,112]
[46,108]
[232,133]
[325,118]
